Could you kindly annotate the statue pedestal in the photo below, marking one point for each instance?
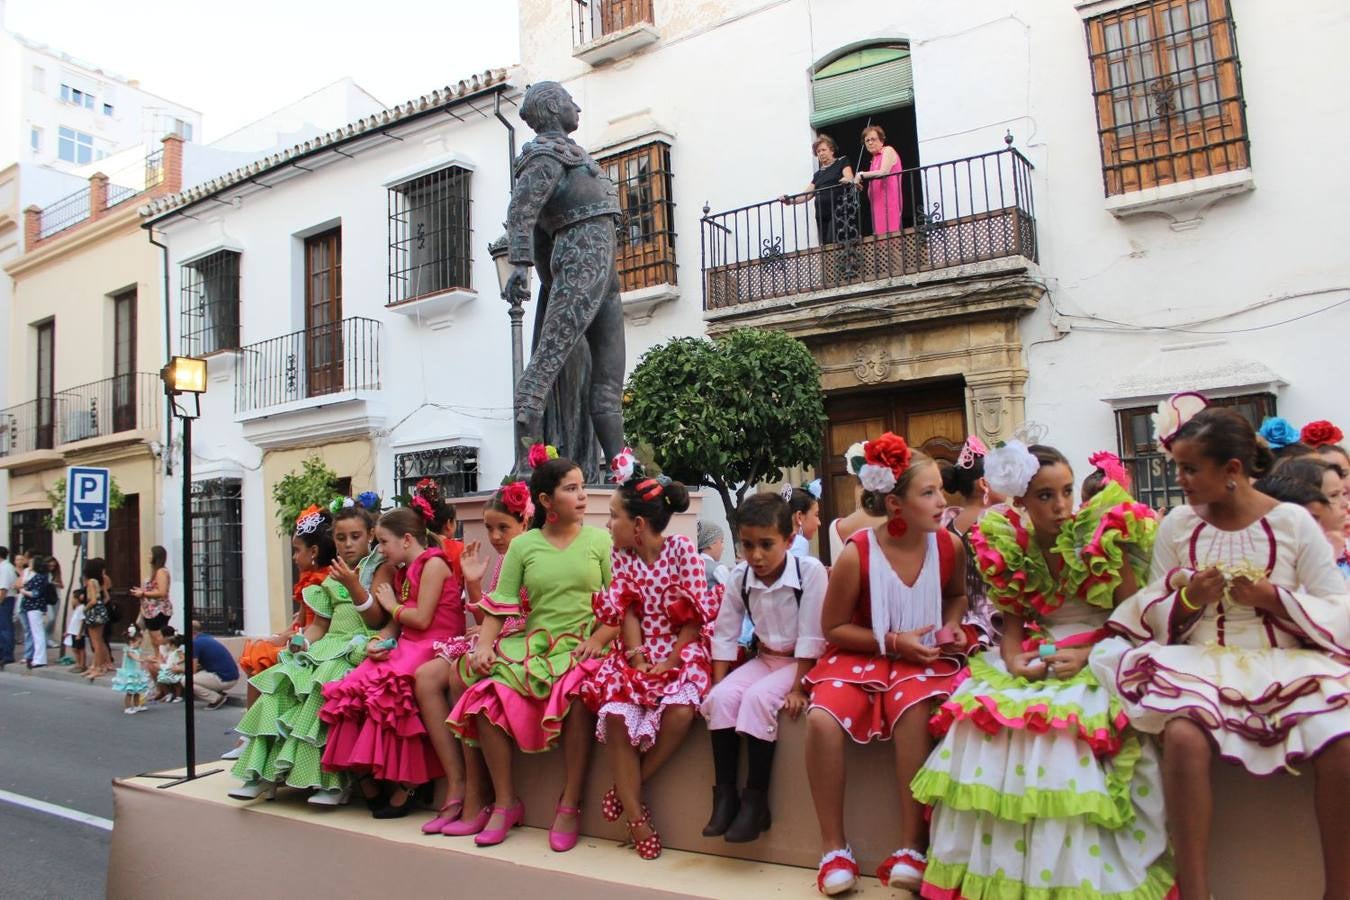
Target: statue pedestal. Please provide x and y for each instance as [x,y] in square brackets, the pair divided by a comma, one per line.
[469,513]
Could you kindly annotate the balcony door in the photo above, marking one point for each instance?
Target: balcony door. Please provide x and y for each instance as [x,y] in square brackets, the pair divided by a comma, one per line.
[123,552]
[323,313]
[45,414]
[931,418]
[124,361]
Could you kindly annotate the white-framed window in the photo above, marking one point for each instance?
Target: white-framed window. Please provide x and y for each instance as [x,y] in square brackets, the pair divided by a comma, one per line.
[183,129]
[35,139]
[74,146]
[429,234]
[108,110]
[39,79]
[76,97]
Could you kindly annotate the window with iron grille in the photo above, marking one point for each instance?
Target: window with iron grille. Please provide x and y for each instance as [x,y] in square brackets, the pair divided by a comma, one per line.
[28,533]
[455,469]
[1153,472]
[430,235]
[1166,82]
[646,254]
[210,303]
[218,554]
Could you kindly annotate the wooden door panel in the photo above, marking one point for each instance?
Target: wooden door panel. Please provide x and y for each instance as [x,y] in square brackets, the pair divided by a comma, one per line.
[123,553]
[323,313]
[939,433]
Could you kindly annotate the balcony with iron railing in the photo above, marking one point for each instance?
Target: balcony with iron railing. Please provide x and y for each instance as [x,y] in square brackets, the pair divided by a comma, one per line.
[334,361]
[120,405]
[928,219]
[606,30]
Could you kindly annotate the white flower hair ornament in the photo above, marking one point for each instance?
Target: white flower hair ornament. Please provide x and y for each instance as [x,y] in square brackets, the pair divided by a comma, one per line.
[854,458]
[623,465]
[813,488]
[1173,413]
[786,492]
[1009,468]
[877,478]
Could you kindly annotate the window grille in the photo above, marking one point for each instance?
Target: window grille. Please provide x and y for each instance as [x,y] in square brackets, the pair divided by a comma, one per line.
[1153,473]
[455,469]
[28,534]
[209,303]
[218,555]
[1168,92]
[646,254]
[430,235]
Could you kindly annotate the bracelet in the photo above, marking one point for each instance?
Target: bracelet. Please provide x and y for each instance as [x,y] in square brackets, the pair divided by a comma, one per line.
[370,601]
[398,611]
[1186,602]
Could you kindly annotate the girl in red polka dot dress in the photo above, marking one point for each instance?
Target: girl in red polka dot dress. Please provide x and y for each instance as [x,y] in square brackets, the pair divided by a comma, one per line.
[892,617]
[645,698]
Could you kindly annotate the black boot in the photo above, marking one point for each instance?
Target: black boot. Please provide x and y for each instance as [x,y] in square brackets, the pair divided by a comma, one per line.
[752,818]
[725,805]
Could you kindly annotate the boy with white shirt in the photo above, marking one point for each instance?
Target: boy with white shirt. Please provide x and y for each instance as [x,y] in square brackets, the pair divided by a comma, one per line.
[9,594]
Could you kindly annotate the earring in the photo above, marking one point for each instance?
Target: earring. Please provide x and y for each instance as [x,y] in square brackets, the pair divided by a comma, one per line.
[1231,485]
[896,526]
[551,517]
[984,501]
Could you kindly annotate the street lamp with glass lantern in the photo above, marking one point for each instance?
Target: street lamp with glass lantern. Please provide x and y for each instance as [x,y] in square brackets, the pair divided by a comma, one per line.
[515,309]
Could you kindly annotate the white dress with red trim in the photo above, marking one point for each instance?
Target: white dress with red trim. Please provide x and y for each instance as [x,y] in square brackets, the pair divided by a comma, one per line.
[1037,786]
[1270,691]
[866,693]
[669,594]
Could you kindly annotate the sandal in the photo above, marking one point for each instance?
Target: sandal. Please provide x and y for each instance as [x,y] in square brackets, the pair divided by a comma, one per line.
[649,847]
[611,807]
[448,813]
[903,869]
[838,872]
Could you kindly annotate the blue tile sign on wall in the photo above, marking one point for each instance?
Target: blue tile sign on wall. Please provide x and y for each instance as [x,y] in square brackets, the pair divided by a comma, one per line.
[87,493]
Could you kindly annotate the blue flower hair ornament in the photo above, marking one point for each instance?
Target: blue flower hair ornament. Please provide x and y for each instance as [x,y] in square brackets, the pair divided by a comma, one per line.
[1278,433]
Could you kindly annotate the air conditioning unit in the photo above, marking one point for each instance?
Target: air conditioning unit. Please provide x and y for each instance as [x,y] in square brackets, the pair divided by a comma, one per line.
[80,425]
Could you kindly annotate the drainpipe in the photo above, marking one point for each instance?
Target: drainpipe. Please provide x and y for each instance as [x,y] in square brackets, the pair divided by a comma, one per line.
[167,454]
[510,141]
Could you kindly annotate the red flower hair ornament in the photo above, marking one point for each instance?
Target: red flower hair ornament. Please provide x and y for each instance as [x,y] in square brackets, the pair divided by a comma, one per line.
[885,459]
[516,498]
[1111,467]
[1320,434]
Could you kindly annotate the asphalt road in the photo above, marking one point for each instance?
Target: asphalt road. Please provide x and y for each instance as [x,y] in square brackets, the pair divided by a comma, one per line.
[62,741]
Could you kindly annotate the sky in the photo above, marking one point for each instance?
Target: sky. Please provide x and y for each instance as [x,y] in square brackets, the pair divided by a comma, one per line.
[237,60]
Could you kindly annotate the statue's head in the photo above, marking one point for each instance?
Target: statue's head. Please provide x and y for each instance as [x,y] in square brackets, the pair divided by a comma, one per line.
[548,106]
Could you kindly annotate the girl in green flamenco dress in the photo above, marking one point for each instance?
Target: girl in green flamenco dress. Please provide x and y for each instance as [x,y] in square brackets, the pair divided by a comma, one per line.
[1038,788]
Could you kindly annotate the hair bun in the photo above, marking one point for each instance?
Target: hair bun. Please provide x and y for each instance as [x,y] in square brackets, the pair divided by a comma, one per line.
[677,497]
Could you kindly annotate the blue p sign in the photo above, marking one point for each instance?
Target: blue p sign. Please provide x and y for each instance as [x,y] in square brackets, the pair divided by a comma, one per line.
[87,494]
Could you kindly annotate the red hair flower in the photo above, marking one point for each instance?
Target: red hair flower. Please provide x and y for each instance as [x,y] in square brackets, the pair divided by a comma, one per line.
[541,453]
[889,450]
[423,507]
[516,498]
[1320,434]
[1111,467]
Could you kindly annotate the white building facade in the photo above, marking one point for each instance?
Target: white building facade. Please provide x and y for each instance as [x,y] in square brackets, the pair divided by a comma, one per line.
[1103,202]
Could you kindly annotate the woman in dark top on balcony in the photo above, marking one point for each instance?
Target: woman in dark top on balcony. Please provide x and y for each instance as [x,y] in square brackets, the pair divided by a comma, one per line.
[832,173]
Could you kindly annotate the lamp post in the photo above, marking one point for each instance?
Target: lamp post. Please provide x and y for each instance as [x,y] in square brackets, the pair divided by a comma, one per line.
[516,309]
[186,375]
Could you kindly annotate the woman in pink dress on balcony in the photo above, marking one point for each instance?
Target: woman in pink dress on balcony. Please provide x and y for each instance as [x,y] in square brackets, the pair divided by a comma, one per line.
[883,194]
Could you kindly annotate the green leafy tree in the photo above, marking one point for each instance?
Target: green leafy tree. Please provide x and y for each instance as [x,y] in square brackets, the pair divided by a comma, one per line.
[314,483]
[728,413]
[56,519]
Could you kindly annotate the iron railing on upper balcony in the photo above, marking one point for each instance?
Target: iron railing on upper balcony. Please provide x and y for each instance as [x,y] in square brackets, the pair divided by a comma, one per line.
[154,168]
[314,362]
[594,19]
[29,426]
[69,210]
[911,221]
[128,402]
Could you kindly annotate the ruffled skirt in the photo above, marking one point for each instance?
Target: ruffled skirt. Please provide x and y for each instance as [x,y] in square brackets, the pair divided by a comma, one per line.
[373,720]
[866,694]
[285,736]
[1038,791]
[617,689]
[131,679]
[1265,708]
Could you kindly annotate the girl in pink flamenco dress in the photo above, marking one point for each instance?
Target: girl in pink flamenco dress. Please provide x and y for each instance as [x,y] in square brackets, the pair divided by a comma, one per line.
[375,729]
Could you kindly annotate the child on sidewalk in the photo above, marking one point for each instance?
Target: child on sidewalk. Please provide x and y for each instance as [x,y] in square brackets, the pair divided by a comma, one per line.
[783,598]
[131,678]
[170,675]
[74,637]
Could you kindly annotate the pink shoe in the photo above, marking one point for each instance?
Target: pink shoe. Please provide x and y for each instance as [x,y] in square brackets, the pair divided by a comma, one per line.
[562,841]
[464,827]
[512,816]
[447,814]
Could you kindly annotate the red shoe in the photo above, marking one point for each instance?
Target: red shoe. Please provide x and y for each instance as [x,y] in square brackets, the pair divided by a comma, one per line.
[838,872]
[562,841]
[903,869]
[649,847]
[611,807]
[512,816]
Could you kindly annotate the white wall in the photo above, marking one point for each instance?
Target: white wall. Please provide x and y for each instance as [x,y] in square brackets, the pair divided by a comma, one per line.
[335,104]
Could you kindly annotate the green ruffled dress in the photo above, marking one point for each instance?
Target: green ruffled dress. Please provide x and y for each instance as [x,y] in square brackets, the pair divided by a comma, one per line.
[1039,789]
[285,735]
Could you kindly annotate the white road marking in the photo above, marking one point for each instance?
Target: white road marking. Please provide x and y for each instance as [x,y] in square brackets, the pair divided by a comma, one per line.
[52,809]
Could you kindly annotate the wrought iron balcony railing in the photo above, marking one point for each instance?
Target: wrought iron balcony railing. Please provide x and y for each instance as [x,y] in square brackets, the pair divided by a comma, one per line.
[127,402]
[595,19]
[317,361]
[29,426]
[915,220]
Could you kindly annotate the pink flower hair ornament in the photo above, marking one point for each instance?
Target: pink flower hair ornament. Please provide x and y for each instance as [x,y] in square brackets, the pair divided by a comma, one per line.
[1111,467]
[972,449]
[516,498]
[541,453]
[623,465]
[423,507]
[1173,413]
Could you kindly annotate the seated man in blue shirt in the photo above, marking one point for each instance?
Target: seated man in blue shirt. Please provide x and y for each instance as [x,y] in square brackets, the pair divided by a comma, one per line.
[213,668]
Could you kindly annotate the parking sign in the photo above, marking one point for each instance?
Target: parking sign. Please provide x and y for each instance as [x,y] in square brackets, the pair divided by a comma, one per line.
[87,493]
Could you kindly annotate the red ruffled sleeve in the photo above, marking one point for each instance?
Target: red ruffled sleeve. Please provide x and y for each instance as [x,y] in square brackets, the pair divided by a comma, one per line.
[689,600]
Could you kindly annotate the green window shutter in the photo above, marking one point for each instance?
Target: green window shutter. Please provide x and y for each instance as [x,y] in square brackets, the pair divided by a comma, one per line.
[864,81]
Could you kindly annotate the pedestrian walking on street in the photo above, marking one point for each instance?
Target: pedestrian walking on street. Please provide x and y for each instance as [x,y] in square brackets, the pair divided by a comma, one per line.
[97,616]
[9,578]
[34,608]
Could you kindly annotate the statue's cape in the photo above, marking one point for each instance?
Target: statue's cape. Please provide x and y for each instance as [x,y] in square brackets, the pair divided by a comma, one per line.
[555,146]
